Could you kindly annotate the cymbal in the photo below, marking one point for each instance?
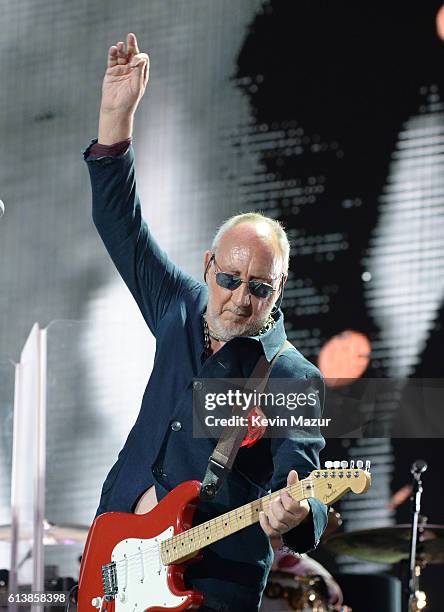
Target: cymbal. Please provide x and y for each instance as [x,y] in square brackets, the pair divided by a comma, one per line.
[52,534]
[390,544]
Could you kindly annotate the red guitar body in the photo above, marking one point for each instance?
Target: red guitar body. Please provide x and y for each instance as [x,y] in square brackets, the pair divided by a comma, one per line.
[130,544]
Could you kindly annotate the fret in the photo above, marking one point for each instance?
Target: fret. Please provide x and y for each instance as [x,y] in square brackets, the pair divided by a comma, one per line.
[192,540]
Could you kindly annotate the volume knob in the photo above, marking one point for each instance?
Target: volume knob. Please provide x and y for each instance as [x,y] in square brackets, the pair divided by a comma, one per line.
[96,602]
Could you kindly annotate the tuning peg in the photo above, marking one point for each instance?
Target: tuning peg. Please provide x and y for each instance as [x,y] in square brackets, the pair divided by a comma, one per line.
[367,466]
[359,464]
[352,464]
[336,465]
[328,465]
[344,465]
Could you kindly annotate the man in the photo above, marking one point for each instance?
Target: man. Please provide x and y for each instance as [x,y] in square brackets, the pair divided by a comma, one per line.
[215,329]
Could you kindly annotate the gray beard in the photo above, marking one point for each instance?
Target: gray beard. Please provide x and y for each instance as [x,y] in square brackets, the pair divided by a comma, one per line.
[235,331]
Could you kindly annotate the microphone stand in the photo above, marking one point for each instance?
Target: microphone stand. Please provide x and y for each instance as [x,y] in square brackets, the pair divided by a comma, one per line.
[418,467]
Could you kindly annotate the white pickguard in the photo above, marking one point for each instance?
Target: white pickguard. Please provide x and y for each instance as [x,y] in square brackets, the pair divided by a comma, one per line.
[141,575]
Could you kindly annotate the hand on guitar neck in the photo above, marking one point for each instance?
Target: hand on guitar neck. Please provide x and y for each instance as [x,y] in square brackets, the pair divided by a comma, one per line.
[285,512]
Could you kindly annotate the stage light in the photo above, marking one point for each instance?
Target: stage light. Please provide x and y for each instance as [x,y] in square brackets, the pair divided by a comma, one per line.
[344,358]
[440,23]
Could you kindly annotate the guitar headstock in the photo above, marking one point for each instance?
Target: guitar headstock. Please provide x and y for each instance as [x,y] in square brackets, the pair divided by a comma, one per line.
[338,477]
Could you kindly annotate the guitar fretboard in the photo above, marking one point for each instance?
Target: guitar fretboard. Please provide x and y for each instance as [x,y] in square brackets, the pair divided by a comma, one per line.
[188,542]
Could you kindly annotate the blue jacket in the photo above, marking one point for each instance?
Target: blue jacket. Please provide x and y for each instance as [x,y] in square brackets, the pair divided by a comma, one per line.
[160,448]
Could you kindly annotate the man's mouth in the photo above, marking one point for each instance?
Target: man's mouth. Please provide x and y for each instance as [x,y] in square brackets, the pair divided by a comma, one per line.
[237,313]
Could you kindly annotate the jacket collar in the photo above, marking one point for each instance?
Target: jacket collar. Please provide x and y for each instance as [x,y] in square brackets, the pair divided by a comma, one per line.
[274,338]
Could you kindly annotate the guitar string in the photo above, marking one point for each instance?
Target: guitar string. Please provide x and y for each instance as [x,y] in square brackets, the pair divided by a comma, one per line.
[217,523]
[247,509]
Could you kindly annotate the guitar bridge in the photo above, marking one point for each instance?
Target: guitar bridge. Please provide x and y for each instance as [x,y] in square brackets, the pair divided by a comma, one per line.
[109,578]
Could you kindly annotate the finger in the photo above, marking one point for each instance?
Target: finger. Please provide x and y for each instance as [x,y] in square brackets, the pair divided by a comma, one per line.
[278,518]
[277,525]
[122,57]
[289,511]
[290,504]
[138,59]
[112,56]
[141,63]
[292,477]
[143,68]
[131,43]
[146,73]
[265,524]
[295,512]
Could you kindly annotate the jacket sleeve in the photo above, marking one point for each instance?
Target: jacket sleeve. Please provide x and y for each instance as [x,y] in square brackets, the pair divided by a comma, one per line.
[300,453]
[153,279]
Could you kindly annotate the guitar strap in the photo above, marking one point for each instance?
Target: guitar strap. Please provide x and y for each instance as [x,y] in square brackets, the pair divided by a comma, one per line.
[224,453]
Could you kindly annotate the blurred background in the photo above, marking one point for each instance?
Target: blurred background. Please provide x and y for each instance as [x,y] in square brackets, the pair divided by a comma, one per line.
[325,115]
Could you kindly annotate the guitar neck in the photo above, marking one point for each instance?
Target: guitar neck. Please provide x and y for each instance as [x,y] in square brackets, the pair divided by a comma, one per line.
[189,542]
[326,485]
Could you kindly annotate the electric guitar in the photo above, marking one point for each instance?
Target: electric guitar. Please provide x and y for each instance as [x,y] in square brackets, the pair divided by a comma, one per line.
[136,562]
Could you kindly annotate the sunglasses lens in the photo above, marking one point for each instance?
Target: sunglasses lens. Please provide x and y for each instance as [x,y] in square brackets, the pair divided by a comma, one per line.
[227,281]
[261,290]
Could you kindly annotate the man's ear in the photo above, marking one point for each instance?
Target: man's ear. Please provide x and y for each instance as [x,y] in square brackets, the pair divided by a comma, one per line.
[278,301]
[207,257]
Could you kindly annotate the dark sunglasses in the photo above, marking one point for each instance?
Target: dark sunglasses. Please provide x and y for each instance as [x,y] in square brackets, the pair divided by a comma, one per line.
[231,282]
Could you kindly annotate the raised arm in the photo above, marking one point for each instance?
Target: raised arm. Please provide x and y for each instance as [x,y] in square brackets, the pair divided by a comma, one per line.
[153,279]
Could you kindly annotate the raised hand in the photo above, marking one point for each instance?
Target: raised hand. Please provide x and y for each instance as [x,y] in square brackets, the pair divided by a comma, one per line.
[125,78]
[123,86]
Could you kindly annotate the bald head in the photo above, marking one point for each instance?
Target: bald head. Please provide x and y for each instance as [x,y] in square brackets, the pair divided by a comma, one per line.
[257,226]
[253,247]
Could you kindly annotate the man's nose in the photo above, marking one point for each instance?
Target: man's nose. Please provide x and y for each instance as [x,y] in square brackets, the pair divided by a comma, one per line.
[242,296]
